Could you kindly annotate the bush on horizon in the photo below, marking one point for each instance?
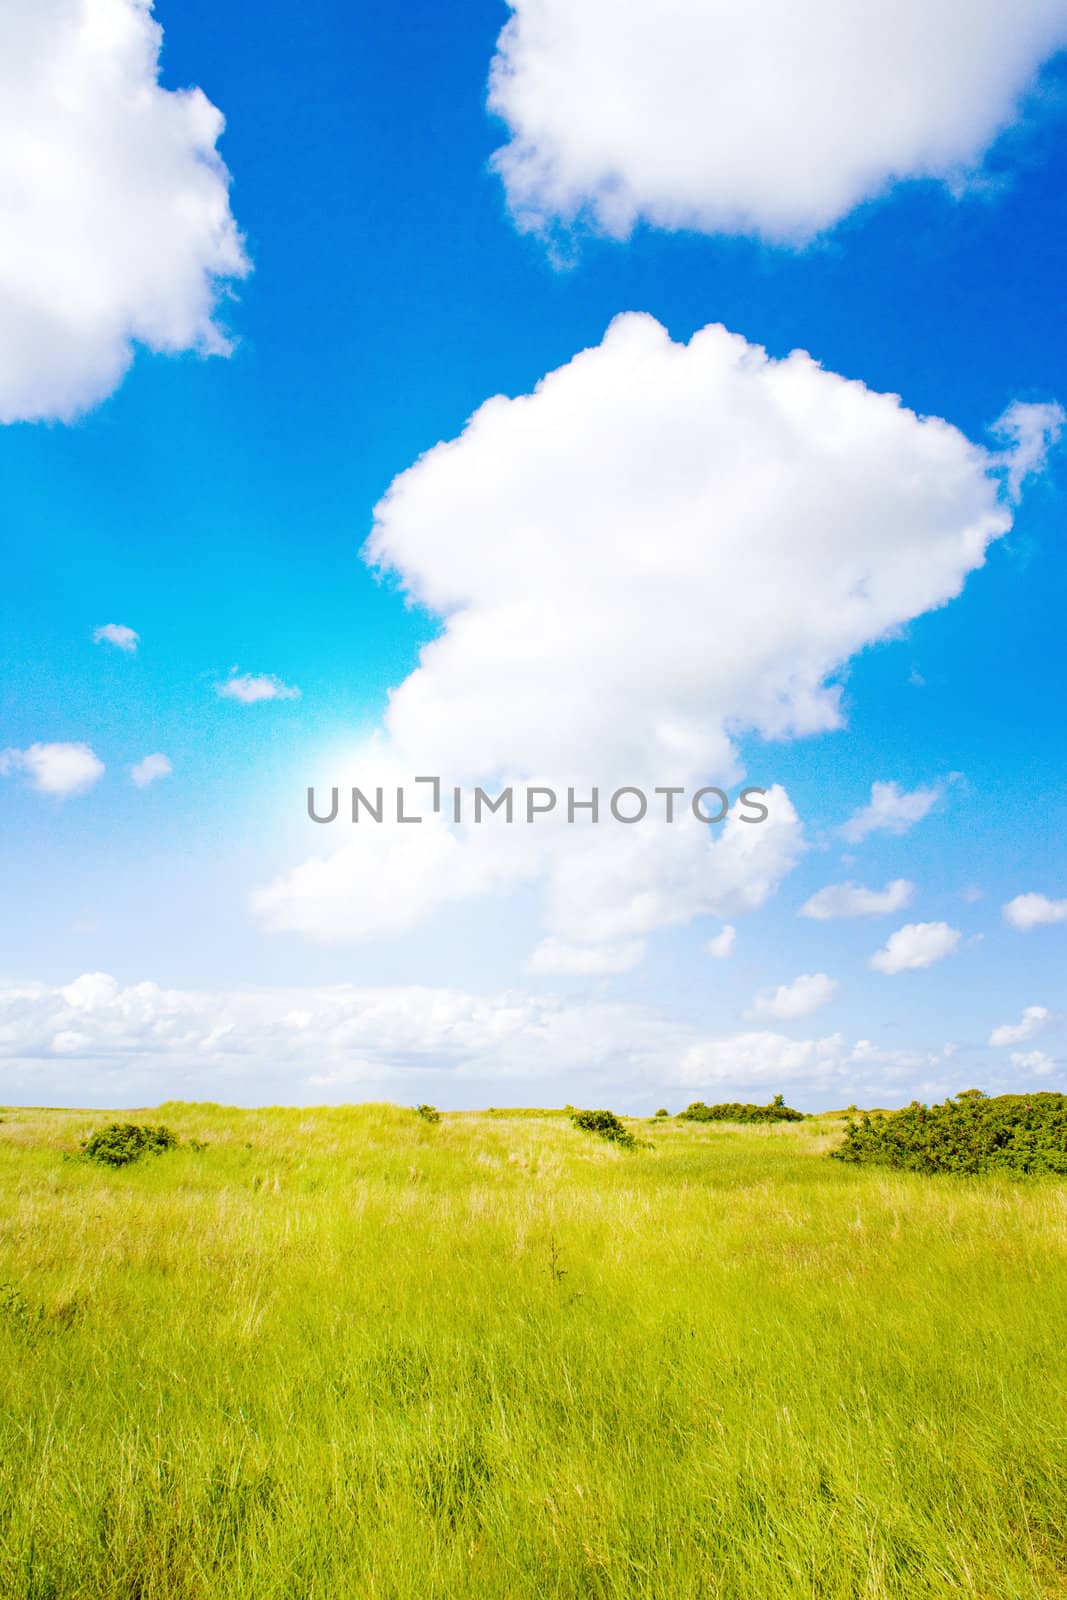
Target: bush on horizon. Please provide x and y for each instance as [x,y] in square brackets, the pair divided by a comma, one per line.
[973,1134]
[735,1111]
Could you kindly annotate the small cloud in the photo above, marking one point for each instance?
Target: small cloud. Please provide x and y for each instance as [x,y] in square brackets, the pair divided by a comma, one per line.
[853,900]
[1033,1021]
[554,957]
[916,679]
[1033,430]
[249,688]
[797,999]
[917,944]
[1033,1061]
[972,894]
[118,634]
[891,809]
[723,943]
[148,770]
[1028,911]
[59,769]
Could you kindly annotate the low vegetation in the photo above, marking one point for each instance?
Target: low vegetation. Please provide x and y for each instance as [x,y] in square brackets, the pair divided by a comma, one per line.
[122,1142]
[970,1134]
[606,1124]
[342,1352]
[733,1111]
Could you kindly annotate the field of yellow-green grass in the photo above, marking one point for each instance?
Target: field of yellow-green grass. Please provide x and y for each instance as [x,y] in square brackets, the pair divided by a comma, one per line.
[349,1353]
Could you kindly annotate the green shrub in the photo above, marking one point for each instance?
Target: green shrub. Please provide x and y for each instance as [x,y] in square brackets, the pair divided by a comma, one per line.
[606,1124]
[122,1142]
[428,1113]
[734,1111]
[1024,1133]
[663,1112]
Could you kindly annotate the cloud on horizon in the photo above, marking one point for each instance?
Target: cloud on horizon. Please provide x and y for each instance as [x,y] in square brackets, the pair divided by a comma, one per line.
[103,1042]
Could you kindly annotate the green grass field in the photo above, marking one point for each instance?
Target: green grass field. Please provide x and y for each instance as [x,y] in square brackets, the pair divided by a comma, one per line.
[346,1353]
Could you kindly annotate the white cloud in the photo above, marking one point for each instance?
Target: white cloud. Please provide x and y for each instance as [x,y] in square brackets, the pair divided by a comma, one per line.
[853,900]
[148,770]
[917,944]
[1034,1019]
[554,957]
[604,887]
[1028,911]
[723,943]
[797,999]
[59,769]
[1038,1061]
[891,810]
[115,225]
[1031,430]
[575,543]
[97,1042]
[283,1040]
[761,1059]
[752,116]
[118,634]
[249,688]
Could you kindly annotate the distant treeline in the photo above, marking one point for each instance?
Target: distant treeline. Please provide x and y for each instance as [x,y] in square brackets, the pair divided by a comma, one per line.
[1024,1133]
[734,1111]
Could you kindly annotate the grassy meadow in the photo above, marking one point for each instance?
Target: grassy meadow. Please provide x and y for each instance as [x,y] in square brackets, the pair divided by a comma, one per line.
[348,1353]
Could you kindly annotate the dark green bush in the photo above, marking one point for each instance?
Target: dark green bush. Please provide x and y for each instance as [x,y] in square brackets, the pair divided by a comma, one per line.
[606,1124]
[122,1142]
[663,1112]
[734,1111]
[1025,1133]
[428,1113]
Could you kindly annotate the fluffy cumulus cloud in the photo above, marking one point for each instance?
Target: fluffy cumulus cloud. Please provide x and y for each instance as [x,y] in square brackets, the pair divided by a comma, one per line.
[723,943]
[58,769]
[752,116]
[665,542]
[115,222]
[142,773]
[1033,1021]
[118,634]
[95,1041]
[604,887]
[1028,911]
[661,548]
[249,688]
[797,999]
[917,944]
[891,809]
[1036,1061]
[853,900]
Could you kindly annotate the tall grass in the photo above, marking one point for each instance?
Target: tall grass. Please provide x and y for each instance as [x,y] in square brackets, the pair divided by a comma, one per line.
[345,1352]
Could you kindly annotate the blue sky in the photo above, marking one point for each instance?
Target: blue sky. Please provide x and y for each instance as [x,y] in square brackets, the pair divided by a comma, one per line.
[218,506]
